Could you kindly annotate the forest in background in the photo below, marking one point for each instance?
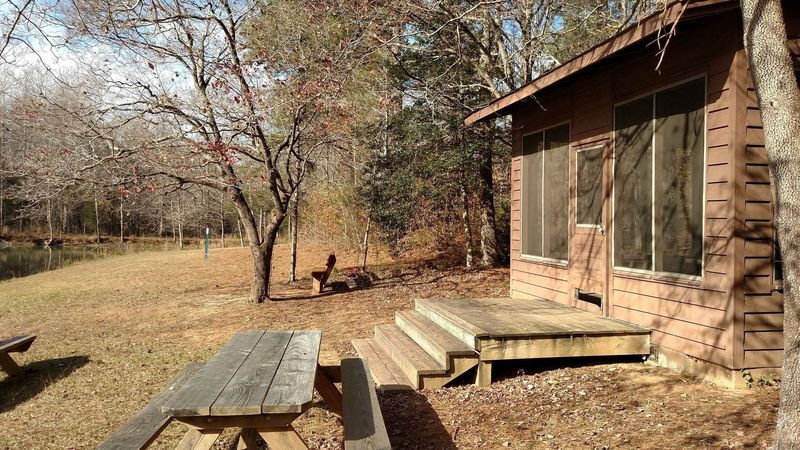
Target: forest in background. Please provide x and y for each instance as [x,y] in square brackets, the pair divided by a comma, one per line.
[162,119]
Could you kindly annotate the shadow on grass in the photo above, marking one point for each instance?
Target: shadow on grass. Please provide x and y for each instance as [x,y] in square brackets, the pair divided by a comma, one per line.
[38,376]
[412,422]
[408,274]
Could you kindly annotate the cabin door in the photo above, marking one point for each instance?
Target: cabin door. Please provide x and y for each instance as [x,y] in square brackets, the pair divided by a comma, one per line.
[588,268]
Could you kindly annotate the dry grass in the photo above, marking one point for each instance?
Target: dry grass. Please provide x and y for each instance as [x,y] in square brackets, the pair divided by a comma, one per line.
[112,332]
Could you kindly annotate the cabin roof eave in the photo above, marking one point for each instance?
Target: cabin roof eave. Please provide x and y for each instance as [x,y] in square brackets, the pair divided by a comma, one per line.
[673,12]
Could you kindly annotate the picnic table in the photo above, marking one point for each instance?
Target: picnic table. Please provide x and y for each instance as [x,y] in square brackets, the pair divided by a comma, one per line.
[260,382]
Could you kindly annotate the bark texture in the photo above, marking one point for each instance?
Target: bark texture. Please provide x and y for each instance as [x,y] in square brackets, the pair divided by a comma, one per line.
[779,98]
[488,230]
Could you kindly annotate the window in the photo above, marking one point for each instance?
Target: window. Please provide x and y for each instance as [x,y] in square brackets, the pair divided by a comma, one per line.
[545,193]
[589,207]
[659,181]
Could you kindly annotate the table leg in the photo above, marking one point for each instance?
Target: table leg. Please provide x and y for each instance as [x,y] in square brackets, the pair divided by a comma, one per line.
[329,392]
[282,438]
[248,439]
[9,366]
[197,439]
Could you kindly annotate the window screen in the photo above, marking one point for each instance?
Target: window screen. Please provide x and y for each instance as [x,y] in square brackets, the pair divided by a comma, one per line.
[679,179]
[659,181]
[532,149]
[633,197]
[589,207]
[556,193]
[545,193]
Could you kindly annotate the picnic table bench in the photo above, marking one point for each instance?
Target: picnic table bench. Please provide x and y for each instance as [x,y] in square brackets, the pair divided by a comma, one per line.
[16,344]
[140,431]
[364,428]
[260,382]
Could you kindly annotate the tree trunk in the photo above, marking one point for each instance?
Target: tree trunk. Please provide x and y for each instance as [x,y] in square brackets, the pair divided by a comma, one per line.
[49,221]
[96,218]
[465,217]
[239,228]
[262,261]
[365,245]
[121,224]
[488,231]
[180,226]
[293,217]
[779,98]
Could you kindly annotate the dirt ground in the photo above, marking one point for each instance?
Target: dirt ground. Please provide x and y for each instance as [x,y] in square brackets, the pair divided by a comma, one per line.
[112,332]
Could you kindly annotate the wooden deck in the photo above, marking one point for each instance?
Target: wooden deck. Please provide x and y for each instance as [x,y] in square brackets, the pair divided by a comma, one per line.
[502,329]
[443,338]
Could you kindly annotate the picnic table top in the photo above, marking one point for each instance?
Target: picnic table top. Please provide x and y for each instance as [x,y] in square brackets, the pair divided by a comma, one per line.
[254,373]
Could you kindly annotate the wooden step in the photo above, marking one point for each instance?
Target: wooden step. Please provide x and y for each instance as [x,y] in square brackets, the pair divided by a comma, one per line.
[410,357]
[386,374]
[451,323]
[435,340]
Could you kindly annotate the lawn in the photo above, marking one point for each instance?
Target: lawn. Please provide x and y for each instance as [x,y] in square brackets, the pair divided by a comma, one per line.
[112,332]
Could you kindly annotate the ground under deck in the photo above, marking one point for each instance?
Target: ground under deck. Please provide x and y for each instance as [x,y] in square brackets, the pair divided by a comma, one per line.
[502,329]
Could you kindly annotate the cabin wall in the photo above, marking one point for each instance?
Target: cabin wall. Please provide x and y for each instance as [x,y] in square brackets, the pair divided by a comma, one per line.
[762,295]
[698,318]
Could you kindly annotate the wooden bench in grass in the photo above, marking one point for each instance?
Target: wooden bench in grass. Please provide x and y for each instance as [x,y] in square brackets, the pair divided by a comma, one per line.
[363,421]
[319,278]
[140,431]
[16,344]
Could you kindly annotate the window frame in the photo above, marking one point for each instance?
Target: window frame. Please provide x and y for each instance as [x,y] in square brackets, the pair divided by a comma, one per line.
[652,93]
[535,258]
[602,148]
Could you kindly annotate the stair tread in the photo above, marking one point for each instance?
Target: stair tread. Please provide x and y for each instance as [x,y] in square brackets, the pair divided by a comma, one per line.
[437,335]
[385,372]
[405,347]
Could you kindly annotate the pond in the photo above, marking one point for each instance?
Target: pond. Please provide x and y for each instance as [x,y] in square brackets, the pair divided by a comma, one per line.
[23,261]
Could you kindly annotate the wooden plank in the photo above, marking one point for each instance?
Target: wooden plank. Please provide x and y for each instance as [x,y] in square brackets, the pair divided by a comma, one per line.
[328,390]
[758,247]
[718,191]
[710,336]
[410,357]
[701,315]
[564,346]
[285,438]
[292,389]
[17,344]
[246,390]
[758,210]
[763,340]
[758,192]
[364,428]
[694,295]
[197,394]
[758,266]
[718,173]
[763,358]
[141,430]
[763,322]
[385,373]
[434,339]
[756,173]
[196,439]
[772,302]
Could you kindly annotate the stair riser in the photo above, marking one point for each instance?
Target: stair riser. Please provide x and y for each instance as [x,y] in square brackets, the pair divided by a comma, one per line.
[397,356]
[452,328]
[434,349]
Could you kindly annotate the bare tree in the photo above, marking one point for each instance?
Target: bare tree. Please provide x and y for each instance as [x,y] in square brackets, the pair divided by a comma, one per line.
[779,98]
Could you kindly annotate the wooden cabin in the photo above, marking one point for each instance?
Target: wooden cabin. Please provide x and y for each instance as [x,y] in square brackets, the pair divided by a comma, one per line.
[644,195]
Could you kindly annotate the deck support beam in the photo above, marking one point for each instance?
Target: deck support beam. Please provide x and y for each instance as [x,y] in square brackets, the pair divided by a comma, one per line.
[484,374]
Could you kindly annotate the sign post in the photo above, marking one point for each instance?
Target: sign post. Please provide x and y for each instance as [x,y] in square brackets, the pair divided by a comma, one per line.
[206,244]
